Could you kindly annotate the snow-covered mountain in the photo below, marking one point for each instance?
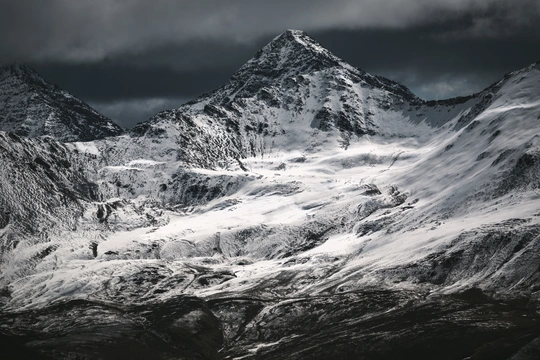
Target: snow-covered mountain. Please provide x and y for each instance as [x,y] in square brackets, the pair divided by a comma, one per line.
[31,107]
[293,94]
[304,210]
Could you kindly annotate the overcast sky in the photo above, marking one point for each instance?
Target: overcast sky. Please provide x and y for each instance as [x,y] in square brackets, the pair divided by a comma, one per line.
[132,58]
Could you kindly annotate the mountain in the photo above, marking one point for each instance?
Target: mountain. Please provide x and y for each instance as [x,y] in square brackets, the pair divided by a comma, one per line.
[304,210]
[32,107]
[291,92]
[294,94]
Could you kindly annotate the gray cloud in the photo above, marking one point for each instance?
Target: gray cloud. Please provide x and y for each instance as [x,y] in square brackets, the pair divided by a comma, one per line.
[130,112]
[93,30]
[447,86]
[504,20]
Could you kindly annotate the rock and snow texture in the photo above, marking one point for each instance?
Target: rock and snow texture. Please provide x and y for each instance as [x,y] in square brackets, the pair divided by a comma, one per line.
[31,107]
[303,201]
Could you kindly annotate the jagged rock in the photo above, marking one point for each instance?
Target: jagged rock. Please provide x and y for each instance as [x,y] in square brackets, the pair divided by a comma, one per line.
[32,107]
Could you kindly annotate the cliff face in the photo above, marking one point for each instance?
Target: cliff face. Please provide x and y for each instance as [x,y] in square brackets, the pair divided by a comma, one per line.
[31,107]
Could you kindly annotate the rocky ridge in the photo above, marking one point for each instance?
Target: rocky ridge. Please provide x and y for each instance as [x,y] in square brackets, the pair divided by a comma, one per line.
[32,107]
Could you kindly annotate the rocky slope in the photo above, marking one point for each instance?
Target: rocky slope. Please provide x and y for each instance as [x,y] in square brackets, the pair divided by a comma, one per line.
[31,107]
[293,95]
[306,209]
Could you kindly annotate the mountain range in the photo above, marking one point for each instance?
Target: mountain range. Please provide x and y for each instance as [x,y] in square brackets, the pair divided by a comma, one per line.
[305,209]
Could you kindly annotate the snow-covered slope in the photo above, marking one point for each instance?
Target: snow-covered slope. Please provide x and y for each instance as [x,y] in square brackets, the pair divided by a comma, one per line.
[30,106]
[303,207]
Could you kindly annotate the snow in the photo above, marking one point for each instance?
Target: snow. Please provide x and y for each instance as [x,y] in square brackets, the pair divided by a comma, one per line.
[87,148]
[326,184]
[323,209]
[144,163]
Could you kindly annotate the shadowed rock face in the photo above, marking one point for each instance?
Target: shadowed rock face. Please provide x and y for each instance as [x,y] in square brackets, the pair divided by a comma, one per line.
[296,53]
[358,325]
[182,327]
[31,107]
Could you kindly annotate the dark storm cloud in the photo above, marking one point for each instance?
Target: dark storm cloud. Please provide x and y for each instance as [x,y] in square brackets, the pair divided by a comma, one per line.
[94,30]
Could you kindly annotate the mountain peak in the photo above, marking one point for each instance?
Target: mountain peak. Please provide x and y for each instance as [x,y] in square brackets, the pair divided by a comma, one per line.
[294,32]
[293,50]
[297,36]
[31,107]
[21,68]
[21,71]
[303,40]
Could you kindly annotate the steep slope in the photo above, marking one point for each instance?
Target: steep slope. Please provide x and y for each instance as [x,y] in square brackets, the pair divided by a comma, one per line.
[42,194]
[205,233]
[293,95]
[31,107]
